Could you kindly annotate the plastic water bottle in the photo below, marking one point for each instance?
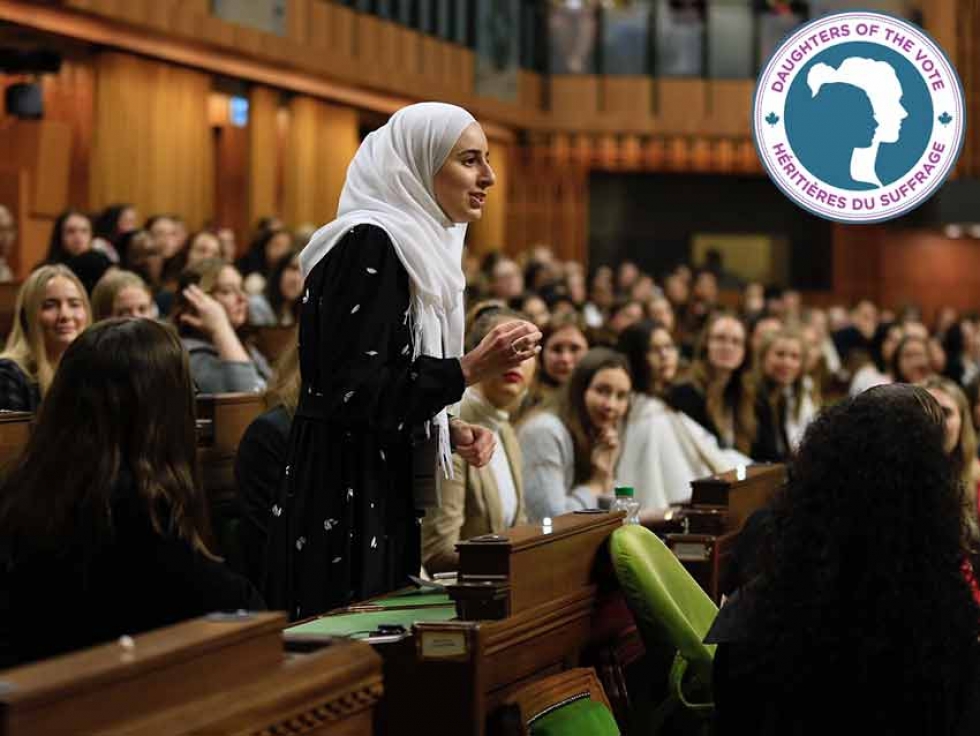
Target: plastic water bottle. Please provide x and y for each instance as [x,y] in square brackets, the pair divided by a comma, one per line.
[625,502]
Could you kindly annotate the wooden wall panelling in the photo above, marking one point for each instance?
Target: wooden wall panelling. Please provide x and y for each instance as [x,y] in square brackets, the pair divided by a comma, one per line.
[680,105]
[152,141]
[967,60]
[490,231]
[15,196]
[573,97]
[730,106]
[322,141]
[297,22]
[263,163]
[627,100]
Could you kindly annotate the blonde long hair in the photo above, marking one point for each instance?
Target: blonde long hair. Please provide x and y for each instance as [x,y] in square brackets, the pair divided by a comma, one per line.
[964,455]
[25,346]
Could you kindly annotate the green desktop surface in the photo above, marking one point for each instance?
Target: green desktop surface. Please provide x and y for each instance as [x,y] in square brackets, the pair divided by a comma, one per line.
[363,619]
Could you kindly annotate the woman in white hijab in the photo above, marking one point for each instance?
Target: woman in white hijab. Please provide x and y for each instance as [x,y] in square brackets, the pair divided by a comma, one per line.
[381,336]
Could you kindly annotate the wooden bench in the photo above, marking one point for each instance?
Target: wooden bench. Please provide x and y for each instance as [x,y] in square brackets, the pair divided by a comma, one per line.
[213,675]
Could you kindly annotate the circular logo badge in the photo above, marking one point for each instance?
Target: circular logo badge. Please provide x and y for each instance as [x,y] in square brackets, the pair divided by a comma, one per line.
[859,117]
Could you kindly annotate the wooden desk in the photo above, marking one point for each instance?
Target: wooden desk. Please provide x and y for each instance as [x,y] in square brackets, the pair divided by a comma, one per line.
[720,505]
[206,676]
[550,581]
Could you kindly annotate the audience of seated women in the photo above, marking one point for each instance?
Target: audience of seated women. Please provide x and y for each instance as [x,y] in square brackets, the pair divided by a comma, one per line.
[716,391]
[52,309]
[261,459]
[111,538]
[863,619]
[280,303]
[122,294]
[490,499]
[572,446]
[211,307]
[785,402]
[663,449]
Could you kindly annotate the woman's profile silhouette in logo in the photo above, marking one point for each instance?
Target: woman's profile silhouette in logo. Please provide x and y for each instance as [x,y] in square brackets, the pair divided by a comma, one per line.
[878,80]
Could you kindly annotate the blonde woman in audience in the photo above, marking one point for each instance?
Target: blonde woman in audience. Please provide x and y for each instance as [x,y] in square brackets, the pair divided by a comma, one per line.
[261,459]
[571,449]
[716,391]
[960,444]
[103,516]
[490,499]
[211,308]
[52,309]
[122,294]
[785,399]
[664,449]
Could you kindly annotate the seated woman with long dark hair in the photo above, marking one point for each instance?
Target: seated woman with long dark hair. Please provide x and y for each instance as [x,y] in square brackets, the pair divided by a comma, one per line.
[571,447]
[862,620]
[103,523]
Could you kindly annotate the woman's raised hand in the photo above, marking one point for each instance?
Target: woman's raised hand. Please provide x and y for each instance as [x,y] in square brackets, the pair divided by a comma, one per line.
[208,316]
[605,453]
[506,346]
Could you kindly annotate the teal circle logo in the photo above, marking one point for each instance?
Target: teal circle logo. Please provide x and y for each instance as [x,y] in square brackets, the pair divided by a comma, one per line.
[859,117]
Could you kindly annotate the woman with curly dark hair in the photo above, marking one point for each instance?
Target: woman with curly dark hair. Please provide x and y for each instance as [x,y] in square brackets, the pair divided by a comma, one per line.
[862,616]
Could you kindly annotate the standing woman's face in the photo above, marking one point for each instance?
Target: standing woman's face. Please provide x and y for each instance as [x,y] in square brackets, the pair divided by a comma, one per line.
[460,186]
[76,235]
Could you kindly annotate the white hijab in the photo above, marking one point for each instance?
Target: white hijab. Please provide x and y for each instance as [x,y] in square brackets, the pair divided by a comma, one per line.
[389,184]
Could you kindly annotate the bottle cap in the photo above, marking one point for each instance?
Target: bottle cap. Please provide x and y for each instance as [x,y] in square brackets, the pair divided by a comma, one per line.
[624,491]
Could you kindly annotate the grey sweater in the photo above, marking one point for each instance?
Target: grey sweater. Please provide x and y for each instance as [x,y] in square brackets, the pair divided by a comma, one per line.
[549,469]
[212,375]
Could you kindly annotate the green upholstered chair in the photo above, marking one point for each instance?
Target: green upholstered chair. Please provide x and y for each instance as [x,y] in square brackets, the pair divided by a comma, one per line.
[570,703]
[672,611]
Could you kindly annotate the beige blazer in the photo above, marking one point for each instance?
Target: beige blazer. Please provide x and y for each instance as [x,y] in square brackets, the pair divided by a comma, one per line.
[470,502]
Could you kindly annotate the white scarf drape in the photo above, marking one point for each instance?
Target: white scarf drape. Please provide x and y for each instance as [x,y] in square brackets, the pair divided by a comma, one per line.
[389,184]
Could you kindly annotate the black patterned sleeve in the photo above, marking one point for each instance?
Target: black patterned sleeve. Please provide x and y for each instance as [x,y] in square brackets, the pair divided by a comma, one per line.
[16,391]
[366,377]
